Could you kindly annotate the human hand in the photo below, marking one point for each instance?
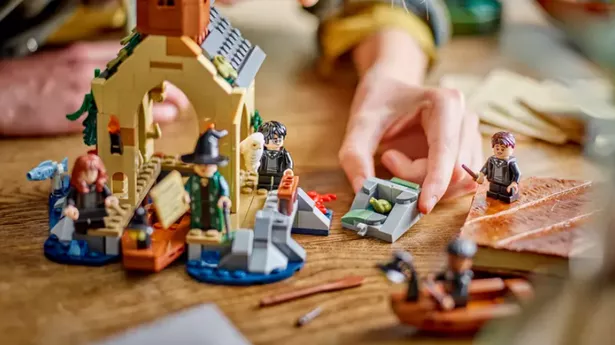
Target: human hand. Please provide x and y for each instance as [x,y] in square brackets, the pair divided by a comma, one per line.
[39,90]
[71,212]
[224,202]
[512,186]
[424,133]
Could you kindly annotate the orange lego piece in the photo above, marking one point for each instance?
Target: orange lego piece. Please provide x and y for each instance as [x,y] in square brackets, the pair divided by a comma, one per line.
[287,192]
[173,18]
[167,246]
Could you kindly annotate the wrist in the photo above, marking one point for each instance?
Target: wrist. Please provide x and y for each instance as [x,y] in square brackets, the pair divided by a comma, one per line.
[393,52]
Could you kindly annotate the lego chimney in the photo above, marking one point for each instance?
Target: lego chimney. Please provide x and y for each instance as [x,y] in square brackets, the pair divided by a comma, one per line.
[173,17]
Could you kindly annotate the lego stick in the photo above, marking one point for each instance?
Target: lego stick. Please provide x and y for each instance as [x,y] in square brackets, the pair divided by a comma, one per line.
[470,172]
[344,283]
[444,301]
[227,221]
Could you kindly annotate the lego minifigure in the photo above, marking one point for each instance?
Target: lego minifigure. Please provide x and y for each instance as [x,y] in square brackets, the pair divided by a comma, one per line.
[140,229]
[208,190]
[402,263]
[275,159]
[459,274]
[501,169]
[88,196]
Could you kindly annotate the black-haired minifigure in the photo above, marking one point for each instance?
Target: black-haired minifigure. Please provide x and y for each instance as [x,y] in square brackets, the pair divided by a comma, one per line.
[458,276]
[140,229]
[501,169]
[403,264]
[275,159]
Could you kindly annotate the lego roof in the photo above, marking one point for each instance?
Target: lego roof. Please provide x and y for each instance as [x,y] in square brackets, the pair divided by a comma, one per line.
[223,39]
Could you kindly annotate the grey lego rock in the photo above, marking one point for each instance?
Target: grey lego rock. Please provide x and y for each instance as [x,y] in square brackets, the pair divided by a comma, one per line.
[241,249]
[265,257]
[64,229]
[305,203]
[282,227]
[308,216]
[95,243]
[403,215]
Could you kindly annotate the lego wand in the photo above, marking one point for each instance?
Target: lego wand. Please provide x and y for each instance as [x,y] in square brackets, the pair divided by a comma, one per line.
[227,222]
[469,171]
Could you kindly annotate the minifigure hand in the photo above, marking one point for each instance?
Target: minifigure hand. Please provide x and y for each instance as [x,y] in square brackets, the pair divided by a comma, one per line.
[481,178]
[187,198]
[60,79]
[448,303]
[423,133]
[71,212]
[512,186]
[224,202]
[111,201]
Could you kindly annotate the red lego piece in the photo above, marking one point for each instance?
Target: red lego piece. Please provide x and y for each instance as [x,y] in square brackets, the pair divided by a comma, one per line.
[93,152]
[320,200]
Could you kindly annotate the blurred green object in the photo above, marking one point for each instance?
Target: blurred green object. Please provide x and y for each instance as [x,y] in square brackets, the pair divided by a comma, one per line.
[475,17]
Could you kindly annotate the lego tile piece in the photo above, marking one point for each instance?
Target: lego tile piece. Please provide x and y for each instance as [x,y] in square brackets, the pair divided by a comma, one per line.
[241,249]
[363,216]
[203,324]
[405,183]
[250,67]
[112,245]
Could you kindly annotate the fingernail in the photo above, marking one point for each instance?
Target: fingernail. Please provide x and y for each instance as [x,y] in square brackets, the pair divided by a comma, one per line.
[432,203]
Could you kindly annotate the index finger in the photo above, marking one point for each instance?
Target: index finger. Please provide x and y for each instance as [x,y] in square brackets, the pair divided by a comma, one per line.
[442,124]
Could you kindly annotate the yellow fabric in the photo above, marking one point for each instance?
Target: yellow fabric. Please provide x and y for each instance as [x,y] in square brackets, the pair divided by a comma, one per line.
[86,22]
[340,34]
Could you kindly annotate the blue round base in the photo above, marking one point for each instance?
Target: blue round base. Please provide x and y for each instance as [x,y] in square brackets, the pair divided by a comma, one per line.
[206,271]
[75,252]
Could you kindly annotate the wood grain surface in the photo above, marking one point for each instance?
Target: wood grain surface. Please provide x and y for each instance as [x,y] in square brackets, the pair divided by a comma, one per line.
[46,303]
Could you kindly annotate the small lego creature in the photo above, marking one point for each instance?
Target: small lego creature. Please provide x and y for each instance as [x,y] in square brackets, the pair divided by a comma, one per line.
[88,197]
[140,229]
[458,276]
[381,206]
[501,169]
[275,159]
[403,264]
[251,148]
[208,191]
[224,67]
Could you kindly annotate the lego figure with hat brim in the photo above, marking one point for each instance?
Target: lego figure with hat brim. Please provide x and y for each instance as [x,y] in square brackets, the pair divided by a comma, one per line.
[403,265]
[207,189]
[458,275]
[140,229]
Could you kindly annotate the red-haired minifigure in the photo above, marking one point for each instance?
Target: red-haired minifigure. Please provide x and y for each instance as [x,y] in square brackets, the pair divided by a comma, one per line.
[501,169]
[89,196]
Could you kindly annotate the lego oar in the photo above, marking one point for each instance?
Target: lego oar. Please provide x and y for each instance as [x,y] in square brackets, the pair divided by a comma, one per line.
[344,283]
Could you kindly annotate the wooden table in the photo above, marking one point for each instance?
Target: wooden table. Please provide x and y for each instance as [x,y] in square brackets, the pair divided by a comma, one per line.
[46,303]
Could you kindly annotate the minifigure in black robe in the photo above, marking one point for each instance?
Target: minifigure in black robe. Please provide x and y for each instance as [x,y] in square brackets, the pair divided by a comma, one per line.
[275,159]
[458,276]
[501,169]
[402,264]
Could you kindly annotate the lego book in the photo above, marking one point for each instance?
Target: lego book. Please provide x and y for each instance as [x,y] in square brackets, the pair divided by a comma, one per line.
[539,233]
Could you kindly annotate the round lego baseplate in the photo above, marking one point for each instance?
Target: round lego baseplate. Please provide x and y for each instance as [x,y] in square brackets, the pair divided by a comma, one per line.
[74,252]
[206,271]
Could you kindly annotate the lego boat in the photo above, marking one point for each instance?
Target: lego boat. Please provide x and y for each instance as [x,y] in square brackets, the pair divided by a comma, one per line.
[167,245]
[488,301]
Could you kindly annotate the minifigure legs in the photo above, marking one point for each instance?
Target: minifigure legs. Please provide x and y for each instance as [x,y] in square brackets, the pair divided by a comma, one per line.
[498,191]
[269,182]
[90,219]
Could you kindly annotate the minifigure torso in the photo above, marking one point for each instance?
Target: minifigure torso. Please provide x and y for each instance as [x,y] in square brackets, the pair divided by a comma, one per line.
[457,285]
[204,195]
[501,171]
[90,200]
[274,163]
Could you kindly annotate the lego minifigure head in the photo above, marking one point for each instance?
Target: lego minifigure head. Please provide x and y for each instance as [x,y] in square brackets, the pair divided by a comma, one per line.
[207,170]
[403,263]
[88,170]
[460,254]
[503,144]
[274,133]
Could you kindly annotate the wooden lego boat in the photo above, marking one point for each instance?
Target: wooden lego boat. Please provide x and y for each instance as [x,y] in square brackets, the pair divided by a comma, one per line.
[487,302]
[167,245]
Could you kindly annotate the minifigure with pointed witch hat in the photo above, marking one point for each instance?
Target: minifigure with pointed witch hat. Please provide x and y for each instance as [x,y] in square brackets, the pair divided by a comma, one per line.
[208,190]
[400,269]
